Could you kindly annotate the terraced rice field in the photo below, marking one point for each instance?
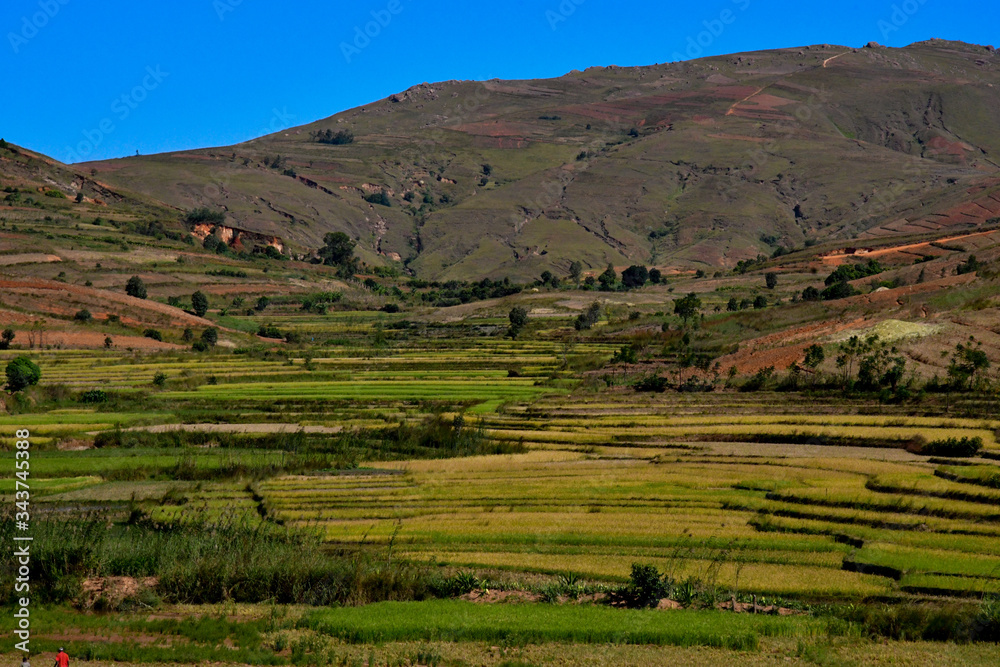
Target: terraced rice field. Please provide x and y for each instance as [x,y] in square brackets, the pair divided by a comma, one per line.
[766,494]
[599,493]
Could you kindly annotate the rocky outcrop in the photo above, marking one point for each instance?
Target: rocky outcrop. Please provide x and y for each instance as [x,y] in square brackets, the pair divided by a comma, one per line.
[234,237]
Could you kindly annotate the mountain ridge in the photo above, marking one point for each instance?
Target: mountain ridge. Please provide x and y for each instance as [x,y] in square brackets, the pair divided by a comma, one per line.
[697,164]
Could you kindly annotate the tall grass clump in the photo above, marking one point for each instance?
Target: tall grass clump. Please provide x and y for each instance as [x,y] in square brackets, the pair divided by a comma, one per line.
[232,558]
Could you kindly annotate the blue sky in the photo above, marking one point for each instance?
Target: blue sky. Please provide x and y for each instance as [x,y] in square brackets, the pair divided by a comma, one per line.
[92,82]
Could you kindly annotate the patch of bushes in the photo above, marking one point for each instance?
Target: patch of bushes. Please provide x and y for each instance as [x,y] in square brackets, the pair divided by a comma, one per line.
[94,396]
[953,447]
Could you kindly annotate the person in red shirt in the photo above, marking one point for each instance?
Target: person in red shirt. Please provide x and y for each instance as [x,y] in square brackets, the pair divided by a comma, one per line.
[62,660]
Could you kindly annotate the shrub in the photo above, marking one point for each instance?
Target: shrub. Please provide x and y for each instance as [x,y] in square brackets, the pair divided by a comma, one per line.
[6,338]
[653,383]
[381,198]
[153,334]
[94,396]
[136,287]
[199,303]
[269,331]
[160,379]
[83,316]
[758,380]
[210,336]
[957,447]
[206,215]
[646,586]
[588,319]
[332,138]
[22,373]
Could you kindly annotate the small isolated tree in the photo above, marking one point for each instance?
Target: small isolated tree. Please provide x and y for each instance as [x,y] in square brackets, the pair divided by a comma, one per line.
[588,319]
[339,251]
[108,343]
[199,303]
[655,276]
[153,334]
[575,271]
[188,335]
[687,307]
[518,320]
[635,276]
[608,278]
[771,280]
[6,338]
[136,287]
[22,373]
[83,316]
[262,304]
[160,379]
[733,305]
[760,303]
[814,357]
[210,336]
[968,365]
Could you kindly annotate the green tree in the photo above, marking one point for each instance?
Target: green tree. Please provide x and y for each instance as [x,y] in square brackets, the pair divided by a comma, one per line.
[760,303]
[575,271]
[136,287]
[608,278]
[339,251]
[687,307]
[518,320]
[771,280]
[814,356]
[733,305]
[210,336]
[968,365]
[655,276]
[199,303]
[262,304]
[588,319]
[6,338]
[22,373]
[635,276]
[160,379]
